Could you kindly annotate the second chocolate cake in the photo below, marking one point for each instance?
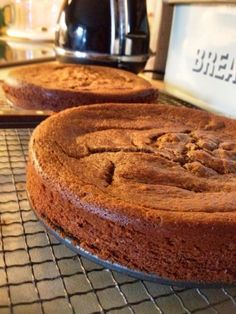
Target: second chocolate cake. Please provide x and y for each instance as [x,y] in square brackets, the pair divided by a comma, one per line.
[54,86]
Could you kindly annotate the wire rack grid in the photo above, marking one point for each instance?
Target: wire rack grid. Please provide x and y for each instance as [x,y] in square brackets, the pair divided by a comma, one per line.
[39,275]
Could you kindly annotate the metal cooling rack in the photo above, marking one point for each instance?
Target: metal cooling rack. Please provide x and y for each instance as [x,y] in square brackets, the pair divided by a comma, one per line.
[39,275]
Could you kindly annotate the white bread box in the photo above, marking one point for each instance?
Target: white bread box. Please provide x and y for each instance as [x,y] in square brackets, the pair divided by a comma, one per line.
[201,61]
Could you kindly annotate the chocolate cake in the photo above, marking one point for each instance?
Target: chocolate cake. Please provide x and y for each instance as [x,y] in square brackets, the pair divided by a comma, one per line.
[149,186]
[54,86]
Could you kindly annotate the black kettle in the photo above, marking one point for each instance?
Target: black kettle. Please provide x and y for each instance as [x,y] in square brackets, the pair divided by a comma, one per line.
[106,32]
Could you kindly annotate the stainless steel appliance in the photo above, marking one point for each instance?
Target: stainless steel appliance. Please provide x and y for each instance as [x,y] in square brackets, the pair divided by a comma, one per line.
[108,32]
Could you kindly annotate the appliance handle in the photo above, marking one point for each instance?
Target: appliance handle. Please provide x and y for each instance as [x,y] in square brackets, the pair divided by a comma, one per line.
[124,27]
[126,35]
[118,12]
[120,26]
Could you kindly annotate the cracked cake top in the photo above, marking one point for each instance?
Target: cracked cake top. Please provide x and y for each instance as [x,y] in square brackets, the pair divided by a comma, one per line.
[154,158]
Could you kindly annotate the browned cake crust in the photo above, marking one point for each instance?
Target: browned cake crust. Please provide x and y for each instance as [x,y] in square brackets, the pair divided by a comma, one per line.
[152,187]
[55,86]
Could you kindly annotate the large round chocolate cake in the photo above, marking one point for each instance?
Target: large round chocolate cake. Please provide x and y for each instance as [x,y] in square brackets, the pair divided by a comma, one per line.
[55,86]
[151,187]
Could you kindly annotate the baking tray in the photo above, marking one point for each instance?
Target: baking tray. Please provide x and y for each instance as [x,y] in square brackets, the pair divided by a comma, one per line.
[39,275]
